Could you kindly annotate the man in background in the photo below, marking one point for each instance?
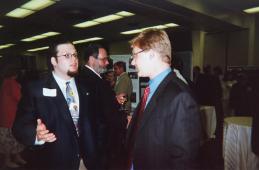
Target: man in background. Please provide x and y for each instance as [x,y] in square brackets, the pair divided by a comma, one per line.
[105,106]
[123,85]
[165,130]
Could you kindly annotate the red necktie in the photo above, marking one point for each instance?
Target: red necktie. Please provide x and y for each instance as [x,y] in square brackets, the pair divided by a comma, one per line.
[143,104]
[136,125]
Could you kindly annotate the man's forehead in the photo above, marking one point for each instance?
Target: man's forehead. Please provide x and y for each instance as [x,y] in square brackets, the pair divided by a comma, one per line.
[66,47]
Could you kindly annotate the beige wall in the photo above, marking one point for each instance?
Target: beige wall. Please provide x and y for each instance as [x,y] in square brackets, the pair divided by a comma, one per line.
[229,49]
[238,48]
[121,47]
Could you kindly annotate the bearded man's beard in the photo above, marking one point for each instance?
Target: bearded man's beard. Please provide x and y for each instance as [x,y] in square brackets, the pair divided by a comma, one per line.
[72,73]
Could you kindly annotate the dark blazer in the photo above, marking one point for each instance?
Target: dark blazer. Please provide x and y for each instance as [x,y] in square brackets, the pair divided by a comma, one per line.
[65,152]
[170,131]
[109,123]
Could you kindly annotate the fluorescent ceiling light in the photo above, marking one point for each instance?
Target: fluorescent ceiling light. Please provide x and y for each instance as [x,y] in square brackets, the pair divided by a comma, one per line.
[156,26]
[29,8]
[19,13]
[49,34]
[125,13]
[104,19]
[132,31]
[108,18]
[252,10]
[86,24]
[40,36]
[28,39]
[37,5]
[87,40]
[38,49]
[5,46]
[37,37]
[171,25]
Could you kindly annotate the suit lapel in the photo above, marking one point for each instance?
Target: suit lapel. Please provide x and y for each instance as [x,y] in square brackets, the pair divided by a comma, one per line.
[153,101]
[61,104]
[83,97]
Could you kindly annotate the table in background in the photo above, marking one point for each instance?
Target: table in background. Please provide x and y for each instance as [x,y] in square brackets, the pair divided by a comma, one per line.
[237,150]
[209,121]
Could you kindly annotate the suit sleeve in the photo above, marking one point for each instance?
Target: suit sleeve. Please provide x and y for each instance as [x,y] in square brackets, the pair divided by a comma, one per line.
[24,127]
[184,132]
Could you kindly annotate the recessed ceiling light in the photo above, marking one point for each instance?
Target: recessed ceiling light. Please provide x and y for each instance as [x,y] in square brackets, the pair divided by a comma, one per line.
[1,26]
[37,5]
[86,24]
[104,19]
[40,36]
[38,49]
[252,10]
[171,25]
[6,46]
[19,13]
[29,8]
[87,40]
[132,31]
[51,33]
[164,26]
[108,18]
[125,13]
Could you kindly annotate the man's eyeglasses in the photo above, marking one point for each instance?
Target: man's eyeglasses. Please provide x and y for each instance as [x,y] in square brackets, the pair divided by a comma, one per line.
[133,55]
[69,56]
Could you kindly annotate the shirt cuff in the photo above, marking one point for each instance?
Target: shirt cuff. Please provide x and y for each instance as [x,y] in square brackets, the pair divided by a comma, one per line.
[38,142]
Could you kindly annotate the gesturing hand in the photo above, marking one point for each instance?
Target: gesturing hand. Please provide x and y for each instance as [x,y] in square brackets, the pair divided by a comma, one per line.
[42,133]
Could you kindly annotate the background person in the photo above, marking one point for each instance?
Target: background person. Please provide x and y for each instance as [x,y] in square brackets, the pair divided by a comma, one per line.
[123,85]
[10,94]
[107,118]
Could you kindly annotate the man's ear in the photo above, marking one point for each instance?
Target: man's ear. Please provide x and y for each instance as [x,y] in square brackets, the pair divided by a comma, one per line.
[91,60]
[151,54]
[53,61]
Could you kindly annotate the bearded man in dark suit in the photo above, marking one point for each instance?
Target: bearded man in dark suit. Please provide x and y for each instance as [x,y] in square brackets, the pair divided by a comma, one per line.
[165,131]
[54,115]
[106,106]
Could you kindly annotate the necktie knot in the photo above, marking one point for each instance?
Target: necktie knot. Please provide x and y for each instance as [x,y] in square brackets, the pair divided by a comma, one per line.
[144,98]
[69,93]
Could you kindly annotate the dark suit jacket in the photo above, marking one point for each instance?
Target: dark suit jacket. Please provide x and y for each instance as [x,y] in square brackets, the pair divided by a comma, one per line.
[170,130]
[108,120]
[65,152]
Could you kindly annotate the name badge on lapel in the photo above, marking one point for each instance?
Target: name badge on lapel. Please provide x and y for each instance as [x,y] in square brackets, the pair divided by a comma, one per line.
[49,92]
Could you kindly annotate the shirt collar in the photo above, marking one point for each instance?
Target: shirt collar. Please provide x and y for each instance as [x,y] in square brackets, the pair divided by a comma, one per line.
[154,83]
[93,71]
[121,75]
[61,82]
